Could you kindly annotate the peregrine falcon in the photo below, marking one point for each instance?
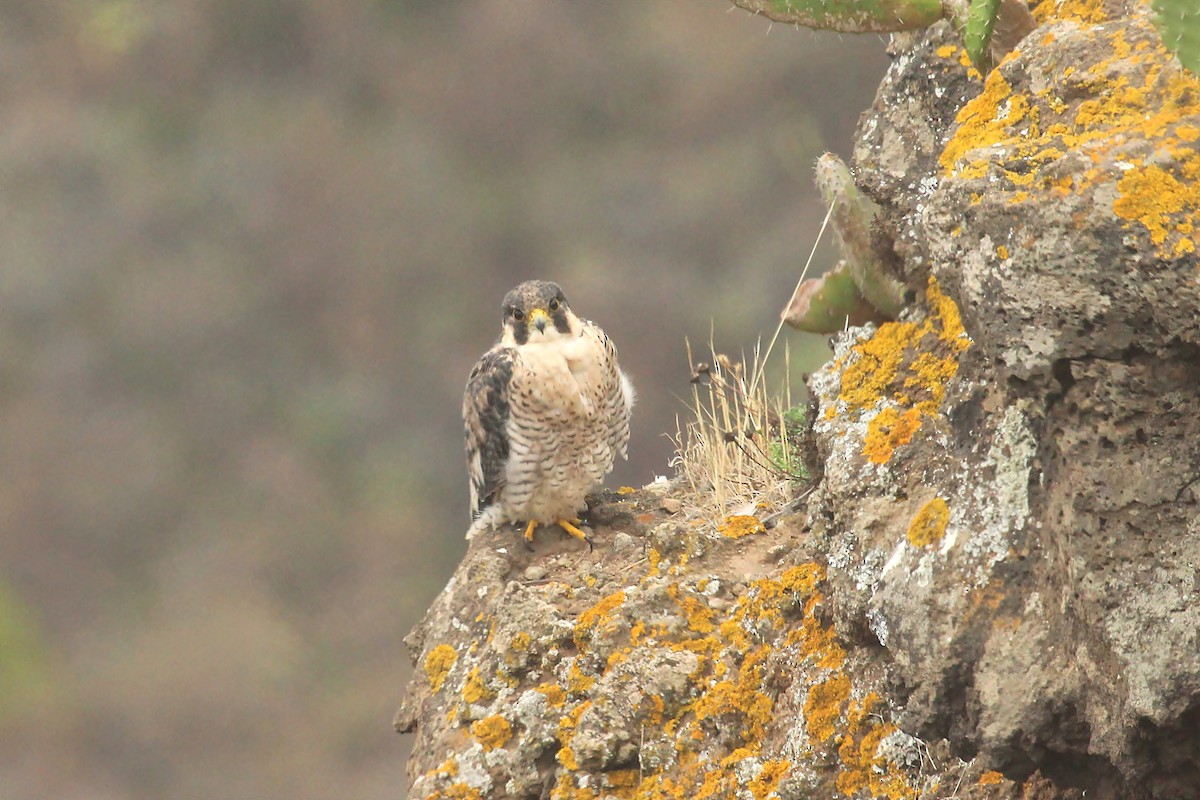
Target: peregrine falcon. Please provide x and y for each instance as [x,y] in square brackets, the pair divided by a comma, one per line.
[546,410]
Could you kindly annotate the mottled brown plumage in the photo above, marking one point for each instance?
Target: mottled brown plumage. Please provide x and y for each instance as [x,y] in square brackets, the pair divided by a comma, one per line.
[545,412]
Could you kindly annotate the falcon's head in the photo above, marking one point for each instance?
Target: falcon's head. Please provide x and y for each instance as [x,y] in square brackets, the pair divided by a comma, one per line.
[537,312]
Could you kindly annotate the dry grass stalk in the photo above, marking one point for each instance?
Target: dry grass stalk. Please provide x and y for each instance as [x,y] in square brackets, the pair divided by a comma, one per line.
[738,454]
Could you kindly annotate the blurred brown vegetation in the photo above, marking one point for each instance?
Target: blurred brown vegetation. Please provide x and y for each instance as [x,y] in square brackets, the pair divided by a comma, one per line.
[250,252]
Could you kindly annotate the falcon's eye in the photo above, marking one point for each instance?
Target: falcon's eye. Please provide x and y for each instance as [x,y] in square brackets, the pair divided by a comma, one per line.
[554,304]
[517,314]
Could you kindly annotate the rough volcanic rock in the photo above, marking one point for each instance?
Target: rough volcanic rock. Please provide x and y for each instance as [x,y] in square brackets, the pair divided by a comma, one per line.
[1042,605]
[992,590]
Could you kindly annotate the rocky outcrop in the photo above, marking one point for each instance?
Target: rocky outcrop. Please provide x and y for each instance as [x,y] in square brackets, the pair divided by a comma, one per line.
[992,588]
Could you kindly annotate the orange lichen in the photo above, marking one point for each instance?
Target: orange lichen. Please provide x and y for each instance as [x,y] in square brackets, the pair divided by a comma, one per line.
[655,559]
[566,730]
[1162,203]
[492,732]
[456,791]
[735,653]
[861,766]
[475,690]
[818,643]
[578,681]
[990,778]
[928,526]
[1132,92]
[823,708]
[1002,252]
[598,618]
[1086,11]
[555,694]
[982,121]
[622,778]
[803,579]
[700,618]
[891,428]
[565,789]
[907,365]
[740,696]
[438,664]
[763,785]
[739,525]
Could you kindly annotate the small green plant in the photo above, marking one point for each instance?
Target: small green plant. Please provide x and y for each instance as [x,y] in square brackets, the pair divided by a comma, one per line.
[784,451]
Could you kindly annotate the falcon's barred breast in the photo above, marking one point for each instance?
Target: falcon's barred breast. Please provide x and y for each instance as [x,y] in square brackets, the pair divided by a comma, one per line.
[546,411]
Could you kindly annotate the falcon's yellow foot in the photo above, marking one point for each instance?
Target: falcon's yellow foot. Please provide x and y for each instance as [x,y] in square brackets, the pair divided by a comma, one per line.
[571,529]
[530,529]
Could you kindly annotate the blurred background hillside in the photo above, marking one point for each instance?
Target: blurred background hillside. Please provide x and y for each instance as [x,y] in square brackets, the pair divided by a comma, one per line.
[249,252]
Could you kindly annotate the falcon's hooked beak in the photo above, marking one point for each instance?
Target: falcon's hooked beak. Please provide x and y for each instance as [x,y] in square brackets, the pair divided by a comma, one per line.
[539,318]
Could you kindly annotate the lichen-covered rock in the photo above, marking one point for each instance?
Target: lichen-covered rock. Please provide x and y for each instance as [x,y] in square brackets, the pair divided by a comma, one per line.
[626,674]
[1069,194]
[1025,545]
[992,591]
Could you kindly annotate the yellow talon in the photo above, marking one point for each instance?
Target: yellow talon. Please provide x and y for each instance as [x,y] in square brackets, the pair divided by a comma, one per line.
[571,529]
[529,530]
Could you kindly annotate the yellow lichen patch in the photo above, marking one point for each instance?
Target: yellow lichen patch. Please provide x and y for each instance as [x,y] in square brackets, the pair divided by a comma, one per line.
[658,708]
[626,490]
[802,580]
[907,366]
[982,121]
[1130,91]
[519,647]
[622,779]
[1086,11]
[492,732]
[718,727]
[740,696]
[823,708]
[438,664]
[578,681]
[475,690]
[1163,203]
[456,791]
[598,618]
[818,643]
[555,694]
[566,789]
[1002,252]
[928,526]
[700,618]
[990,778]
[566,730]
[565,757]
[860,765]
[739,525]
[891,428]
[763,786]
[879,359]
[655,559]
